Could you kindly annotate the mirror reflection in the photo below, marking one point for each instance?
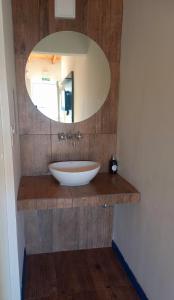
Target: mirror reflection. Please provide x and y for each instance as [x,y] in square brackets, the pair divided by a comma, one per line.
[67,77]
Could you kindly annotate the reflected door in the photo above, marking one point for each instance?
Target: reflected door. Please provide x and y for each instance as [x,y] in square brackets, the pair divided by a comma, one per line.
[45,98]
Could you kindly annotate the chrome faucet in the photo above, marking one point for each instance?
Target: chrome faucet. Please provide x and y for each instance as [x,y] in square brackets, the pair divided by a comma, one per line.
[69,136]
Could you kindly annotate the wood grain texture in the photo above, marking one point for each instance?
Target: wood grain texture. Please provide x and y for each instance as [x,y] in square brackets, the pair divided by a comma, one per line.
[44,192]
[49,149]
[53,230]
[102,21]
[77,275]
[30,145]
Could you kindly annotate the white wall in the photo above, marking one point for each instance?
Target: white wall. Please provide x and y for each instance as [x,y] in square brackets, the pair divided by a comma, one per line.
[4,248]
[63,42]
[10,105]
[97,81]
[36,69]
[91,80]
[144,232]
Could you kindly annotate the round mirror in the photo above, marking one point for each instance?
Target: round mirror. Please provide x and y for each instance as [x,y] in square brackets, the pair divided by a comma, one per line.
[67,76]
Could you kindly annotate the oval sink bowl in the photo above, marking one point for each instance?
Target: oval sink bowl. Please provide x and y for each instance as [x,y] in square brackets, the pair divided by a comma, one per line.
[74,173]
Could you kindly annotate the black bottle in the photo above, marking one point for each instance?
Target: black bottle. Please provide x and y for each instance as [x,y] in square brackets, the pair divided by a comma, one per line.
[113,165]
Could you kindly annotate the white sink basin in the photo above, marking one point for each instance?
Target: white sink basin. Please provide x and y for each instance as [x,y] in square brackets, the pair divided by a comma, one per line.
[74,173]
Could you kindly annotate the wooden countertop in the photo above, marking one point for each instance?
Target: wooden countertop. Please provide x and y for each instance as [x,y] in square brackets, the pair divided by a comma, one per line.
[44,192]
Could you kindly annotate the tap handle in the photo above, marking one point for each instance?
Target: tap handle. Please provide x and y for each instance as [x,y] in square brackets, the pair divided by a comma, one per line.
[61,136]
[79,135]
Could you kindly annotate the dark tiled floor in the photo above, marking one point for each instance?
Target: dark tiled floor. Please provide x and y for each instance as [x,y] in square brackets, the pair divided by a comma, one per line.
[77,275]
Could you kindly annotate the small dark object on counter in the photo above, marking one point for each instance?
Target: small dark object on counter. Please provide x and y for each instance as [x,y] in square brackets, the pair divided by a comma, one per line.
[113,165]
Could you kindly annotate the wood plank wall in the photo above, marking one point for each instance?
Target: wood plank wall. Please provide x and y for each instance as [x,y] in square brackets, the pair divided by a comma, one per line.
[65,229]
[102,21]
[33,20]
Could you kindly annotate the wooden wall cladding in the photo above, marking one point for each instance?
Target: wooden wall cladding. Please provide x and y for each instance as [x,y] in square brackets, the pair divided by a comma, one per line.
[99,19]
[68,229]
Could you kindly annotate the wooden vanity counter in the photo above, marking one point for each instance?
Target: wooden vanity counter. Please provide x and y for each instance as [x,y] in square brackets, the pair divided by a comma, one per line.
[44,192]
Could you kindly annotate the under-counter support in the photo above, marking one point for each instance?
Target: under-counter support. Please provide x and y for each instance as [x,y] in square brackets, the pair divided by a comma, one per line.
[64,229]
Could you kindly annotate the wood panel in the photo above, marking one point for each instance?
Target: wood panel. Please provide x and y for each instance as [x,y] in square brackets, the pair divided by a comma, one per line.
[33,20]
[37,151]
[44,192]
[97,147]
[105,29]
[53,230]
[102,21]
[30,145]
[83,222]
